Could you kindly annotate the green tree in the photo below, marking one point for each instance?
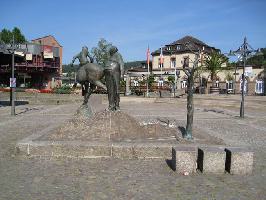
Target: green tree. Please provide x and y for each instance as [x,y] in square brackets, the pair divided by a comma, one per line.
[6,36]
[171,79]
[18,36]
[229,76]
[258,60]
[151,80]
[213,63]
[69,68]
[101,52]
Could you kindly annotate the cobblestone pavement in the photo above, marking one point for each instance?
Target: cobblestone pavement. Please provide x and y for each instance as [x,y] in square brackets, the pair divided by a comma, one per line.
[46,178]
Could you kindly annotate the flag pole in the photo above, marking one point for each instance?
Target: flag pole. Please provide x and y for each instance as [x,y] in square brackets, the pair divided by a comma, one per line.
[161,62]
[148,64]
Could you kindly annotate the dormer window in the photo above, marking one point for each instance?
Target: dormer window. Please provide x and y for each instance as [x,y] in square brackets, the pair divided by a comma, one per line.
[178,47]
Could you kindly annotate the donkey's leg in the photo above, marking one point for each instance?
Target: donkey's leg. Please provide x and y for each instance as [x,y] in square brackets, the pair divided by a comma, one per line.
[100,84]
[86,93]
[89,89]
[83,89]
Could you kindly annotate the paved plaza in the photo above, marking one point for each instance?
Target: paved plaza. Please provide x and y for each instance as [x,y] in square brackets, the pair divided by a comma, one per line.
[63,178]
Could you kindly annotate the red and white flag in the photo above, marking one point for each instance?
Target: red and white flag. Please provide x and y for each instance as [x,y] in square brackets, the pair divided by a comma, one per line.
[161,56]
[148,55]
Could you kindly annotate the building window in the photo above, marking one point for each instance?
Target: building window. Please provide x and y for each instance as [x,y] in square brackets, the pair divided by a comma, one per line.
[217,83]
[159,63]
[229,86]
[173,63]
[259,88]
[136,83]
[183,84]
[160,82]
[178,47]
[185,61]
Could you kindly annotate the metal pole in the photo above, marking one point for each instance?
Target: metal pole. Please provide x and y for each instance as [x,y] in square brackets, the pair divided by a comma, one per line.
[175,80]
[13,113]
[243,80]
[235,81]
[148,78]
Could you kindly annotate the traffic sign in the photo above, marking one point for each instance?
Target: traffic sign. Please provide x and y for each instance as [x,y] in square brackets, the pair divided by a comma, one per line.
[12,82]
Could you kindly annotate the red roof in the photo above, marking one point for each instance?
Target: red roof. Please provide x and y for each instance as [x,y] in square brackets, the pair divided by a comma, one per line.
[46,37]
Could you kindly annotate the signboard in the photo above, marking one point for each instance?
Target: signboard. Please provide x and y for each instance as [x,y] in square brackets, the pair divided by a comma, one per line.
[248,71]
[28,56]
[12,82]
[47,51]
[19,53]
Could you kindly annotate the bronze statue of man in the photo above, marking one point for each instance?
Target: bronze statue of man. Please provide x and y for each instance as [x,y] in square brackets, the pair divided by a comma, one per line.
[113,71]
[83,57]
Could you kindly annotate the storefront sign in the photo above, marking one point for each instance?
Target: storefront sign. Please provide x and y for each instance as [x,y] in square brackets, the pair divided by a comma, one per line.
[28,56]
[19,53]
[47,51]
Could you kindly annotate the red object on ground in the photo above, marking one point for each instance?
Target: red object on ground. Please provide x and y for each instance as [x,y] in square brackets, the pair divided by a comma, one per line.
[46,91]
[5,89]
[32,90]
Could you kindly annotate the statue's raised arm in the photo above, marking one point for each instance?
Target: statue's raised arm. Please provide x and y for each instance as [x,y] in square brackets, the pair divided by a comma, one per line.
[74,58]
[83,57]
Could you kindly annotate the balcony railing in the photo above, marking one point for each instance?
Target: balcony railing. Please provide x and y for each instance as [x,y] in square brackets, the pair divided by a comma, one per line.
[45,64]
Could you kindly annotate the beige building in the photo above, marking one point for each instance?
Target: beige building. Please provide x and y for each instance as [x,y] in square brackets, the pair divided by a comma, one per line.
[228,81]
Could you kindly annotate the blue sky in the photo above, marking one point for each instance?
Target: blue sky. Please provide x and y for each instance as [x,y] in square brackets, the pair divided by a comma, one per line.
[132,25]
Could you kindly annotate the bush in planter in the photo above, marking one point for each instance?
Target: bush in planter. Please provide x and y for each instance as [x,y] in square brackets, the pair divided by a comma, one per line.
[62,90]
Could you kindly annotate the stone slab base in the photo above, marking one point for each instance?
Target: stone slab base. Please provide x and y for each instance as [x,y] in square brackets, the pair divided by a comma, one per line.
[64,149]
[184,159]
[211,160]
[239,160]
[80,149]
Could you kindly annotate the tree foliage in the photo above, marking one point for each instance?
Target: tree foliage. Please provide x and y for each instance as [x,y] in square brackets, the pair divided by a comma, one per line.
[101,52]
[69,68]
[171,79]
[6,36]
[151,80]
[229,76]
[258,60]
[213,63]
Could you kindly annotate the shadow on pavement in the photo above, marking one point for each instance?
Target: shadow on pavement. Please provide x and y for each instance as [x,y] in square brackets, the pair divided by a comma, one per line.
[170,164]
[183,130]
[17,103]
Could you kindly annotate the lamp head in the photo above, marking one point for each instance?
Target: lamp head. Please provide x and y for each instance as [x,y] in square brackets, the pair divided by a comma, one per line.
[231,53]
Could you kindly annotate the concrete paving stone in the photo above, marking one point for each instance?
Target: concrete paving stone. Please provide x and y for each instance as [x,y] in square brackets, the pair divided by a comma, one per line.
[73,178]
[239,160]
[211,160]
[64,150]
[184,159]
[149,150]
[122,151]
[141,151]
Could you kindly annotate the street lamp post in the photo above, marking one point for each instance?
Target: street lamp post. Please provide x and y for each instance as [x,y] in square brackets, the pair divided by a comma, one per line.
[11,48]
[13,112]
[244,51]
